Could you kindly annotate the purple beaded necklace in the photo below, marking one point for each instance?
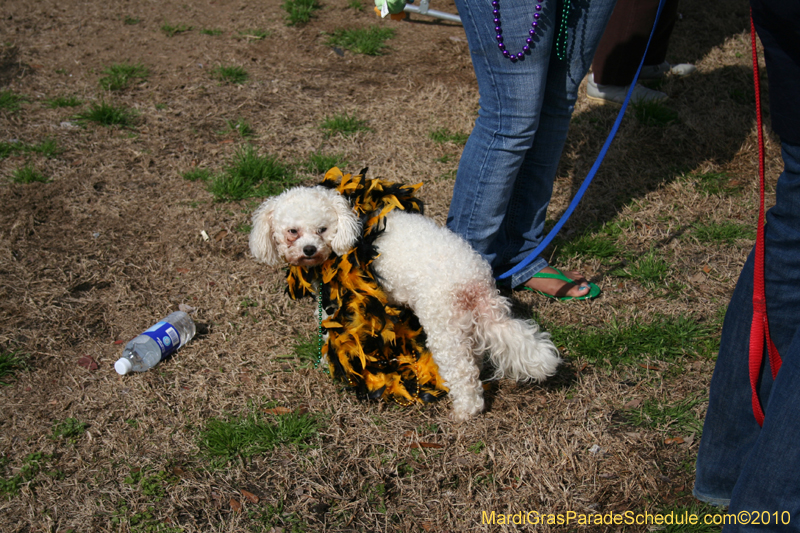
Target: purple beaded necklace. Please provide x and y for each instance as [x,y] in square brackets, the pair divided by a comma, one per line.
[561,40]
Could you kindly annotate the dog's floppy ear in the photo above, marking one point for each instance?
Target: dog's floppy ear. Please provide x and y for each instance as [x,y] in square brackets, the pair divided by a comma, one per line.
[262,245]
[348,228]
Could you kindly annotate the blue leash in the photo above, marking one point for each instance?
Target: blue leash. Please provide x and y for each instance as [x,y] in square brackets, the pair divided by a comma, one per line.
[586,182]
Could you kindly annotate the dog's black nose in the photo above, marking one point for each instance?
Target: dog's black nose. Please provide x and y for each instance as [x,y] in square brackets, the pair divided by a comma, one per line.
[309,250]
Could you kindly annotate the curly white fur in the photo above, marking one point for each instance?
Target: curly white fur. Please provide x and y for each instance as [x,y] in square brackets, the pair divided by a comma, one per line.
[425,267]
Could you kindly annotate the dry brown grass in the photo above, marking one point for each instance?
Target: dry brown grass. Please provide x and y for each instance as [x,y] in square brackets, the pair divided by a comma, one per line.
[113,243]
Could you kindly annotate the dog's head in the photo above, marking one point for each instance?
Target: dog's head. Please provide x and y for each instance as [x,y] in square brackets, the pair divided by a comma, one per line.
[302,226]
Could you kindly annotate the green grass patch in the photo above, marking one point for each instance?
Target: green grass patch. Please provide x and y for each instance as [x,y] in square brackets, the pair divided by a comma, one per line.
[8,148]
[171,30]
[723,232]
[124,519]
[275,518]
[211,31]
[444,135]
[131,21]
[343,124]
[28,174]
[429,428]
[120,75]
[654,114]
[250,175]
[355,4]
[240,127]
[152,485]
[650,270]
[717,183]
[69,429]
[31,466]
[664,338]
[600,243]
[10,364]
[319,163]
[108,115]
[299,12]
[248,302]
[230,74]
[47,148]
[197,174]
[63,101]
[305,351]
[256,433]
[11,101]
[477,447]
[449,175]
[676,419]
[254,35]
[368,41]
[592,245]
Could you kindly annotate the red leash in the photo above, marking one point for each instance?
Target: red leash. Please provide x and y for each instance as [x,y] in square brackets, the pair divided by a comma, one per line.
[759,328]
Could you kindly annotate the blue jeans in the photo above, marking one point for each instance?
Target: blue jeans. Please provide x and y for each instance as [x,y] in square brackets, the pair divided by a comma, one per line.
[738,463]
[505,177]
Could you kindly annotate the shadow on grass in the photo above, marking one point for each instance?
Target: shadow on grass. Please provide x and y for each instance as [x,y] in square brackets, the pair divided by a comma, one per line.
[715,115]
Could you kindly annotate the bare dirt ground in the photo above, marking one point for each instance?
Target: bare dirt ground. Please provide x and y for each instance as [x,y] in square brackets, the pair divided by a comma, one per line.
[113,242]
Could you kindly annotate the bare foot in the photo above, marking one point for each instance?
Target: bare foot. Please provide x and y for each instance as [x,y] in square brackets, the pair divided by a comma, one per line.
[559,288]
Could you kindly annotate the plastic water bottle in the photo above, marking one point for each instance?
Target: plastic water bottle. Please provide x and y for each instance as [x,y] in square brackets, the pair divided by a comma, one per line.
[151,347]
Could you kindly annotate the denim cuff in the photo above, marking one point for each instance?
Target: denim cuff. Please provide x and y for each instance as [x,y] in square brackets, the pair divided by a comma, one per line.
[523,275]
[715,501]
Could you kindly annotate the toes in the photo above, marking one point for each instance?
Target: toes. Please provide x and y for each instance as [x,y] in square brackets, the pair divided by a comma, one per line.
[577,278]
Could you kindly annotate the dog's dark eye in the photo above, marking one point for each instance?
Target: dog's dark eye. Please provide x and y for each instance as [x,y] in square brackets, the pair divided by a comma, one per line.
[293,231]
[322,230]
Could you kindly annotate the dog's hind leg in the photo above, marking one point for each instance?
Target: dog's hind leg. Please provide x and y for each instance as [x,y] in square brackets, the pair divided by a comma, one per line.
[453,353]
[517,348]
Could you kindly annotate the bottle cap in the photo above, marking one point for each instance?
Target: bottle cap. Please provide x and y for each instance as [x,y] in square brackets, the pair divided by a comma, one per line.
[123,366]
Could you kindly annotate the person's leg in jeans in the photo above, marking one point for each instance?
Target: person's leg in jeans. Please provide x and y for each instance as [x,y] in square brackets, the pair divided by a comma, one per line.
[754,468]
[517,101]
[523,226]
[511,95]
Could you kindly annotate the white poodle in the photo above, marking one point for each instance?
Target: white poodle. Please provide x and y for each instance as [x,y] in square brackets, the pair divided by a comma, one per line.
[425,267]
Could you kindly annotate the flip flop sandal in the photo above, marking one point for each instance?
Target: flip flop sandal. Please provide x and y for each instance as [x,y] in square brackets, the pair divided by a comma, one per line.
[594,290]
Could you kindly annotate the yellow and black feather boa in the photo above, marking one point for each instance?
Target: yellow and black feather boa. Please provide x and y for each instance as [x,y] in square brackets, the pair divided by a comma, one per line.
[375,348]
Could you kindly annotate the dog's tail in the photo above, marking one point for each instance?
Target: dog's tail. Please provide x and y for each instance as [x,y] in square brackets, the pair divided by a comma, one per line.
[517,348]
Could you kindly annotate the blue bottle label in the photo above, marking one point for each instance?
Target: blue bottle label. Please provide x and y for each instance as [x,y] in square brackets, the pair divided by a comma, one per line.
[166,336]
